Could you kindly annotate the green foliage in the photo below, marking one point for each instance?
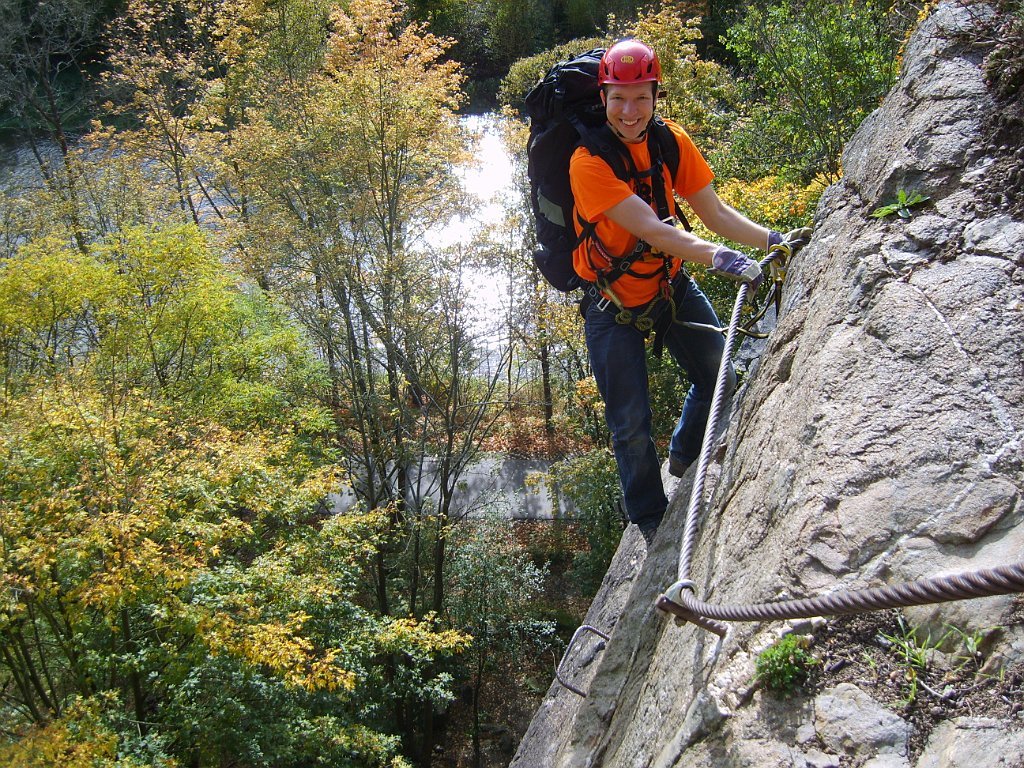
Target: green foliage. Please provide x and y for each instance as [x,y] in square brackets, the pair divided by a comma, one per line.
[81,738]
[970,645]
[161,479]
[591,481]
[516,29]
[902,206]
[496,580]
[785,666]
[494,583]
[817,68]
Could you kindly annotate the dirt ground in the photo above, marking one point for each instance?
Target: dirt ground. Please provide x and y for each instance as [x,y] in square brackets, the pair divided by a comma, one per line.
[919,678]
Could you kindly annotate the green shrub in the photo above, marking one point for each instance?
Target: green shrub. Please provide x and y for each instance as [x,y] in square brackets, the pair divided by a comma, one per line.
[785,666]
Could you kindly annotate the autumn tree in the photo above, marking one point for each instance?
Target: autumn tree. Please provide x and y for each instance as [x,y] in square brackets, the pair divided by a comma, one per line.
[350,168]
[173,577]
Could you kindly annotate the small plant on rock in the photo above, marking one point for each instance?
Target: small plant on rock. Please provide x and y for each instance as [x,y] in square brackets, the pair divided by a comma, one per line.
[912,651]
[904,202]
[785,666]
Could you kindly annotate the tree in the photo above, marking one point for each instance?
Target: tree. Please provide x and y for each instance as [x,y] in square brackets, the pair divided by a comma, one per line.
[165,57]
[496,582]
[590,479]
[817,69]
[349,168]
[543,323]
[44,49]
[173,578]
[43,52]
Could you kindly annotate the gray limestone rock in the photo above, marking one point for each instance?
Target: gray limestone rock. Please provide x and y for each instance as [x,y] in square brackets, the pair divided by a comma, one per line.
[850,722]
[974,743]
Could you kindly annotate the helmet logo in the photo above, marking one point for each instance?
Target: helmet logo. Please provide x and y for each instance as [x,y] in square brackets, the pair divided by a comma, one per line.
[627,59]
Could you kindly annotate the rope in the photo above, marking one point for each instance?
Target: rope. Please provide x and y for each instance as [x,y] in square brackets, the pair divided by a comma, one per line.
[680,600]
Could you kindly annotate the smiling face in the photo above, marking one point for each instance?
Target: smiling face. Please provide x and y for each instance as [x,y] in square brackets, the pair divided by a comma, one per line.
[629,108]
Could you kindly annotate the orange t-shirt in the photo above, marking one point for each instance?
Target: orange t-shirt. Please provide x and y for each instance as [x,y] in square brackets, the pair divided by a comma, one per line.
[596,188]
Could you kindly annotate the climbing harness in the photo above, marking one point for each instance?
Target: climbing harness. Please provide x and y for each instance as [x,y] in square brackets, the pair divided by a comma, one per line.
[646,318]
[680,598]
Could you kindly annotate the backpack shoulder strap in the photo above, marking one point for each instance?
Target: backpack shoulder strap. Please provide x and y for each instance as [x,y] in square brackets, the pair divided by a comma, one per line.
[667,143]
[662,140]
[601,142]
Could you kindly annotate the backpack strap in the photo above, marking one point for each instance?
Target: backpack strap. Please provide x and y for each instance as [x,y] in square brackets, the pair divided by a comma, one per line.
[661,135]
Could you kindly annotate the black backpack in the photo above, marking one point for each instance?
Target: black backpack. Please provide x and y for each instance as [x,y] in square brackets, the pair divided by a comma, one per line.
[565,111]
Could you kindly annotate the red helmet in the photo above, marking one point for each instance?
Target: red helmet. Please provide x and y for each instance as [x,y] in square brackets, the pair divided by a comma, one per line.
[628,62]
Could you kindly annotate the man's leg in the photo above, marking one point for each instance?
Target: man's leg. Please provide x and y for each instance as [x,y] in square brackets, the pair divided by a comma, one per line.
[618,360]
[699,352]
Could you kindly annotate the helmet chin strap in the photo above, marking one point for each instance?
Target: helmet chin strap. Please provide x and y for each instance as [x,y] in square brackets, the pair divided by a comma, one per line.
[638,139]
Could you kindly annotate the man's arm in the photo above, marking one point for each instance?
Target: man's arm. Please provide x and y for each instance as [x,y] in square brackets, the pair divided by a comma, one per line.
[725,220]
[637,217]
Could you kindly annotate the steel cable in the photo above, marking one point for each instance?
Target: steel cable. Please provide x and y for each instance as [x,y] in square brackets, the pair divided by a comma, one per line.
[1001,580]
[681,601]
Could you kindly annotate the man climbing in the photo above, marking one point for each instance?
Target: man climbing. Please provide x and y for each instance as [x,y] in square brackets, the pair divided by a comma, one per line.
[616,219]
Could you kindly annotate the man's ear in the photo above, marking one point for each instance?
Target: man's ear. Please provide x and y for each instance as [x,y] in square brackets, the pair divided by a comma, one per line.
[604,99]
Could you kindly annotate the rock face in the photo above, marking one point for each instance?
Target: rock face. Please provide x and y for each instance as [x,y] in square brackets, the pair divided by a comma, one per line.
[877,440]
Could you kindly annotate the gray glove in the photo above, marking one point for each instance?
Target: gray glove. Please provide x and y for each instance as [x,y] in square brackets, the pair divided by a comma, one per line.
[733,265]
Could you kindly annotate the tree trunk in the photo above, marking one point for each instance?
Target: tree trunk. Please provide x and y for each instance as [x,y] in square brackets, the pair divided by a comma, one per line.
[549,406]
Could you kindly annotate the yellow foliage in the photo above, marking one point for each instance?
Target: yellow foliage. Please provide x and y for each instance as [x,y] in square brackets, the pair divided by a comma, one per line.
[418,637]
[78,739]
[587,393]
[773,202]
[46,285]
[280,646]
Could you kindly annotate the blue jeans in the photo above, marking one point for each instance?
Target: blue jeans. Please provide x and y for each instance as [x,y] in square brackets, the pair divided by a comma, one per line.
[619,363]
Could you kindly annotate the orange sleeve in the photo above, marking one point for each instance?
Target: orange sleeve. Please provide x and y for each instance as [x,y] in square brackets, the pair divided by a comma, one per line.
[595,187]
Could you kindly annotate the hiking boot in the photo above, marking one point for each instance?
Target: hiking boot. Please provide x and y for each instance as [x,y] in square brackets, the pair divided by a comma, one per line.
[677,467]
[649,535]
